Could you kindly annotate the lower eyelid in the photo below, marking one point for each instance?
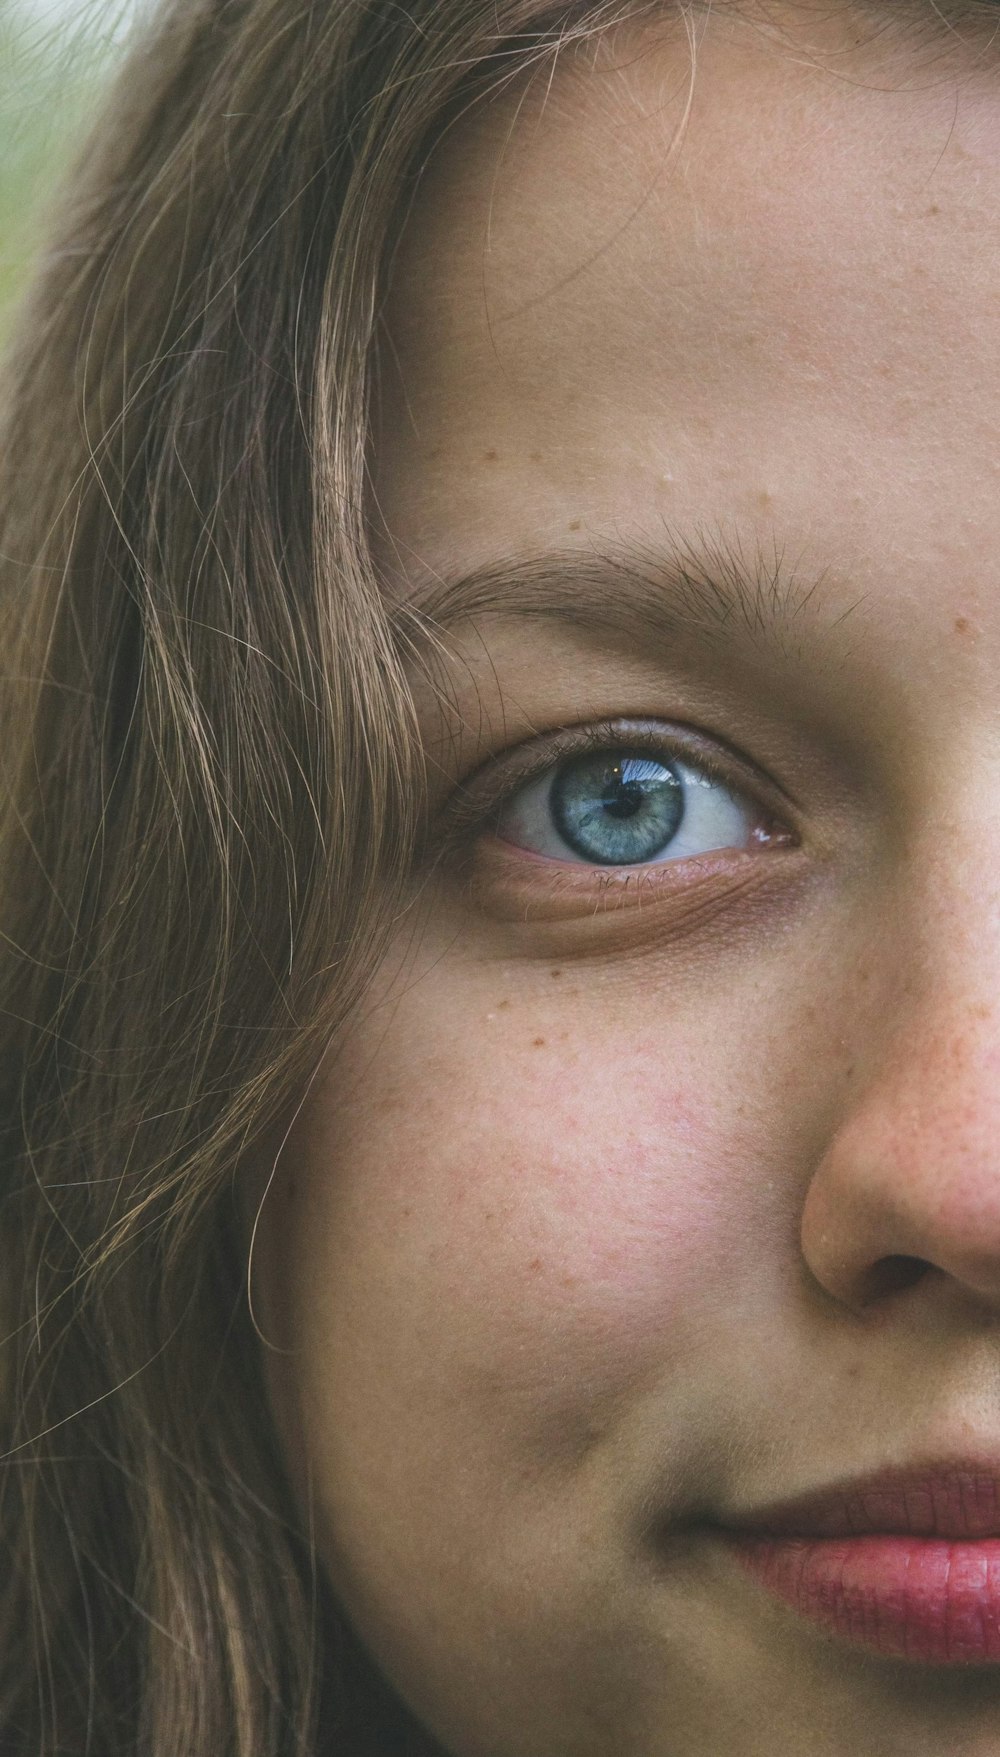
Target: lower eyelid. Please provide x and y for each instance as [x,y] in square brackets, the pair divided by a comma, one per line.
[595,876]
[529,892]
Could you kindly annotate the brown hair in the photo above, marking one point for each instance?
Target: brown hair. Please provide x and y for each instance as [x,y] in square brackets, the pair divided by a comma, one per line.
[207,795]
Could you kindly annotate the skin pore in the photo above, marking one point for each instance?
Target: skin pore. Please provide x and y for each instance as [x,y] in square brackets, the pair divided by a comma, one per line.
[640,1198]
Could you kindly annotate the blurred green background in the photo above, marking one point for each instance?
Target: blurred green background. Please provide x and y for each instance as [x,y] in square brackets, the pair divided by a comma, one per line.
[55,58]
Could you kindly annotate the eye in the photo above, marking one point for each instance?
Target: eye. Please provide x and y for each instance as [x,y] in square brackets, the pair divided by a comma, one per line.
[622,806]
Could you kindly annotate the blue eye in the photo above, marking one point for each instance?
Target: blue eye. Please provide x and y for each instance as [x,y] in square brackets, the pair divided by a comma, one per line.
[618,808]
[626,807]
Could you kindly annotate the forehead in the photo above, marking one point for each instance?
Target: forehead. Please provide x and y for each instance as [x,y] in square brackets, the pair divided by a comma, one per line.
[751,278]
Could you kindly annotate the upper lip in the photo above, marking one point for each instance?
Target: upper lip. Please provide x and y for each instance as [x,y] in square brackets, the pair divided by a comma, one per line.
[942,1500]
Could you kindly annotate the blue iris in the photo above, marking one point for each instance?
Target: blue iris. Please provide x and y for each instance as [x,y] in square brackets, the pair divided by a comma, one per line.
[618,807]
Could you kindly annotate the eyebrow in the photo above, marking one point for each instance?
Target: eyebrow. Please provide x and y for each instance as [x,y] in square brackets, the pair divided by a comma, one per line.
[710,590]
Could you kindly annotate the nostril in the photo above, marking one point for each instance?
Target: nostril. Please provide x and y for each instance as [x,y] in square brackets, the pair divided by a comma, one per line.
[893,1275]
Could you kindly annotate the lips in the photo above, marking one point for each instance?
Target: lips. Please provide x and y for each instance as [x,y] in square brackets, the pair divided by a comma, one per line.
[954,1502]
[906,1564]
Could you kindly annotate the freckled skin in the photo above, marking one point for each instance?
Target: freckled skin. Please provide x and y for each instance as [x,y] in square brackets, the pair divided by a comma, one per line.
[599,1219]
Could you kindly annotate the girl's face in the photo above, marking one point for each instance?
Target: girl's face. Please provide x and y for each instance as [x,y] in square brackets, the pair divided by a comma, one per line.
[658,1182]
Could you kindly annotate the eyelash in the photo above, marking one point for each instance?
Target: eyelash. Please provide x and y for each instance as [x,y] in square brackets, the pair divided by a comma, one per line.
[477,803]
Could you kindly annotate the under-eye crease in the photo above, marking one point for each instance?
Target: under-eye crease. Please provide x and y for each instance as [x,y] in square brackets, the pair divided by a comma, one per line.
[539,799]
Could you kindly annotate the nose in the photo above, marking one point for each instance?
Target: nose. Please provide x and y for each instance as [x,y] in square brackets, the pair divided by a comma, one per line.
[908,1189]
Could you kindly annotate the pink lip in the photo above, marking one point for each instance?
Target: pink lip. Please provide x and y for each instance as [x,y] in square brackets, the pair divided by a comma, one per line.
[906,1564]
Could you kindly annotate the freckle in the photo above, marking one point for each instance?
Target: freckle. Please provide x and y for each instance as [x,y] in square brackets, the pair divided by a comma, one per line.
[502,1004]
[555,972]
[763,500]
[539,1043]
[849,1072]
[535,1265]
[961,625]
[490,456]
[982,1010]
[933,209]
[574,524]
[536,457]
[568,1280]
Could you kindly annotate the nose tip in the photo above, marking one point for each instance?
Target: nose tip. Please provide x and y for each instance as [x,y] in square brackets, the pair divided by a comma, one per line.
[907,1192]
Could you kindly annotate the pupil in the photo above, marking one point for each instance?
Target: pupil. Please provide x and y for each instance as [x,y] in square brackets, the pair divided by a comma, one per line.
[617,808]
[628,800]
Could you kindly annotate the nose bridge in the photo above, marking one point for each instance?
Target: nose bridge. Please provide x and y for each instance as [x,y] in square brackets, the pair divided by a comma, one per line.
[937,936]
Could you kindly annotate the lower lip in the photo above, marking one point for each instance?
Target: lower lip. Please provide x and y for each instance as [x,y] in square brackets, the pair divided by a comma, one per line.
[932,1600]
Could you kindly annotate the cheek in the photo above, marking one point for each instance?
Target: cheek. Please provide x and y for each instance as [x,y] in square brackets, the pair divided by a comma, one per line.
[516,1233]
[511,1256]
